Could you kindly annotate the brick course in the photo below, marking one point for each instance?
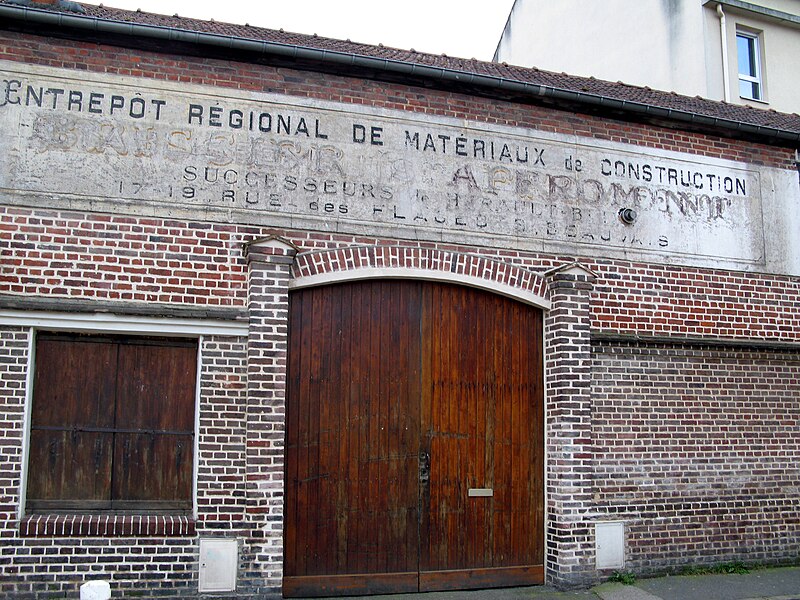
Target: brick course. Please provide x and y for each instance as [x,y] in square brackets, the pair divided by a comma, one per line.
[697,448]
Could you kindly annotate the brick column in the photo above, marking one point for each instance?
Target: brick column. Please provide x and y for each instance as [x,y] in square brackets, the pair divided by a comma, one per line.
[269,260]
[14,357]
[570,537]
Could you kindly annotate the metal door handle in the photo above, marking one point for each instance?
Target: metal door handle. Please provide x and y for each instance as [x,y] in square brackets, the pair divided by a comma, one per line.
[424,466]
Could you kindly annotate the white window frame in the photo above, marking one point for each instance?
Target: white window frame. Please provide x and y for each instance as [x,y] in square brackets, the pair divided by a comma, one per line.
[758,78]
[101,323]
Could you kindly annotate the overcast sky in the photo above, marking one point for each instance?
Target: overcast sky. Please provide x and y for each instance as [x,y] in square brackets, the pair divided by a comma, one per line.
[462,28]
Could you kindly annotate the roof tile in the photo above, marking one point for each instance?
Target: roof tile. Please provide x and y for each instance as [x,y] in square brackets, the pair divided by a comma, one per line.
[584,85]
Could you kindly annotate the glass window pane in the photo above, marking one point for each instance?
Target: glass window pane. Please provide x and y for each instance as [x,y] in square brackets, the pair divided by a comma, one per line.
[743,52]
[745,88]
[752,57]
[747,55]
[748,60]
[749,89]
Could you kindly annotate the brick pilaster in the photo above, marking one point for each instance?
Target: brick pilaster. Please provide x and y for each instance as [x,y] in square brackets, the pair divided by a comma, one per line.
[569,537]
[270,260]
[14,348]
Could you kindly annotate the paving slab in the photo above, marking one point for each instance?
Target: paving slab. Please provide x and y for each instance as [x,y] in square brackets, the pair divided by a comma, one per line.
[759,584]
[780,583]
[539,592]
[620,591]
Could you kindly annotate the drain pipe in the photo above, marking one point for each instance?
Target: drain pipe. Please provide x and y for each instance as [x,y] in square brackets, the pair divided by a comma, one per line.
[726,84]
[797,164]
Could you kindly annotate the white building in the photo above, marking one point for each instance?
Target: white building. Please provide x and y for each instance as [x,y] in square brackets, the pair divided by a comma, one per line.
[740,52]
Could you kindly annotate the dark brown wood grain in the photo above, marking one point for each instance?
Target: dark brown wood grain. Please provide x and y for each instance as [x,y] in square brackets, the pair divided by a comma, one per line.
[155,393]
[386,379]
[74,390]
[112,424]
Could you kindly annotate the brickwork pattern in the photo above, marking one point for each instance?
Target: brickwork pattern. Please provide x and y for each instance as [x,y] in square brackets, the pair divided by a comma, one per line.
[100,257]
[222,457]
[44,568]
[569,541]
[222,461]
[697,449]
[90,256]
[668,300]
[14,343]
[352,258]
[270,263]
[103,257]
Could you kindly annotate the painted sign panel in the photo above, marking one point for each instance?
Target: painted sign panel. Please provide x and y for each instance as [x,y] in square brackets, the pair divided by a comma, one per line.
[124,143]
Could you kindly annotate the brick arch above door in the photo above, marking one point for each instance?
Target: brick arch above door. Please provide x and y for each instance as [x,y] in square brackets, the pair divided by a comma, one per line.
[322,267]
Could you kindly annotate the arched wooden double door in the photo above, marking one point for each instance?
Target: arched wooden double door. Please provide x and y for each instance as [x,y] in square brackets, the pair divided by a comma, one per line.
[414,457]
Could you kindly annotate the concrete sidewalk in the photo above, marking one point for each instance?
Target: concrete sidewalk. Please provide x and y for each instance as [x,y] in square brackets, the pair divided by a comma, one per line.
[775,584]
[759,584]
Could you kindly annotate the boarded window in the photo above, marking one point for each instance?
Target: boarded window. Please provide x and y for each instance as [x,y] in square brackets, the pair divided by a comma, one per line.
[112,424]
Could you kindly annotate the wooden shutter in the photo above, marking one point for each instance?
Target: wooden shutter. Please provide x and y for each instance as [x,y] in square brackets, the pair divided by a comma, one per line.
[153,453]
[112,424]
[71,421]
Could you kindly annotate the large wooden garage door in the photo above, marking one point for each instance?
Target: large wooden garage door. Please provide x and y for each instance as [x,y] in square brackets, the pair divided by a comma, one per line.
[414,452]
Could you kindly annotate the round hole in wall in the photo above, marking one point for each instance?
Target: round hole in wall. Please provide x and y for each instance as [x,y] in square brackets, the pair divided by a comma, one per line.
[627,215]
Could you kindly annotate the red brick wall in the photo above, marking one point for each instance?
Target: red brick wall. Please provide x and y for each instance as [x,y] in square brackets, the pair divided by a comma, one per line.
[697,448]
[105,257]
[667,300]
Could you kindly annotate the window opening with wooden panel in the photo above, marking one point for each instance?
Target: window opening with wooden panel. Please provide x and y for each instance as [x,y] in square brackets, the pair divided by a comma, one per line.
[112,424]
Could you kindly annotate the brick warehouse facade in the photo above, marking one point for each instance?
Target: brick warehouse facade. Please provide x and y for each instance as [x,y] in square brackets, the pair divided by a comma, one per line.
[670,336]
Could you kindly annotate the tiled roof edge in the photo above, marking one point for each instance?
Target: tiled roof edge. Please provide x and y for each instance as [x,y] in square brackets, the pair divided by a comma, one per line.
[457,71]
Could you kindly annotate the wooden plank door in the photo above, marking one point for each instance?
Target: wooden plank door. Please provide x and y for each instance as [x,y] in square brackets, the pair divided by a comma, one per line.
[414,440]
[481,425]
[352,440]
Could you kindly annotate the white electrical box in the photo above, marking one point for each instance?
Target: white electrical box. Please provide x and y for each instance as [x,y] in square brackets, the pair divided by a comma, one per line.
[219,560]
[609,542]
